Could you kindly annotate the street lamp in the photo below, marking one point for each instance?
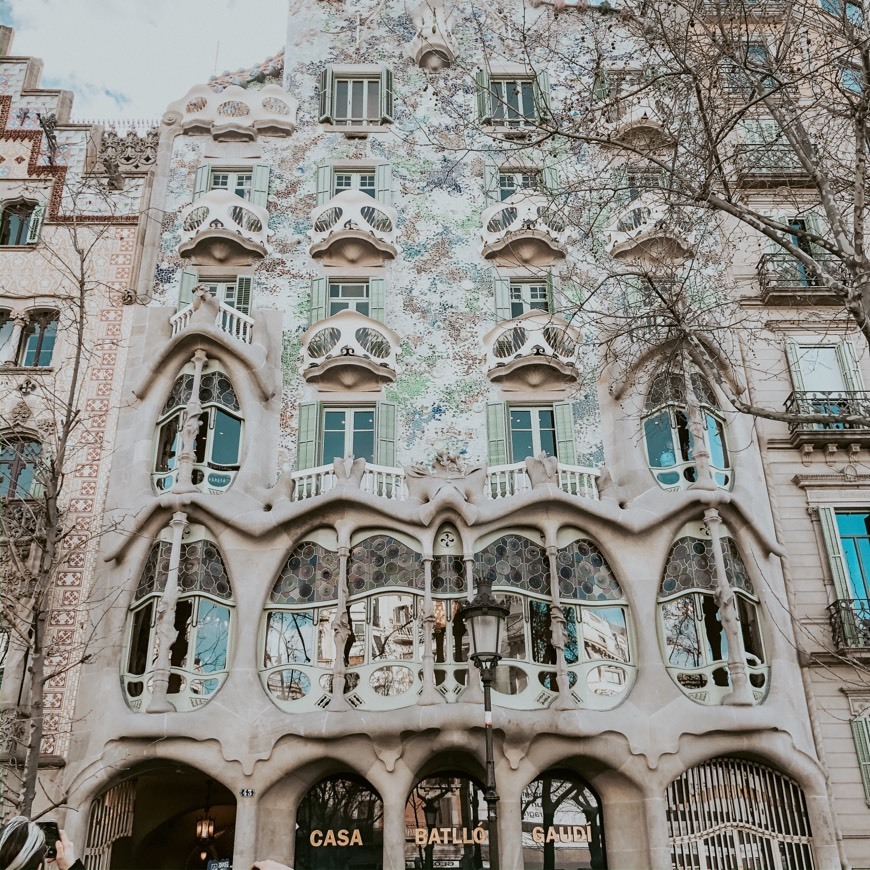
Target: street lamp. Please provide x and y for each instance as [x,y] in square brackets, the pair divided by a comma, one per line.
[485,618]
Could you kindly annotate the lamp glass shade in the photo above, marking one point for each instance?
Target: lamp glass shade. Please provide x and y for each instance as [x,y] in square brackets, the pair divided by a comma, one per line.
[205,828]
[485,629]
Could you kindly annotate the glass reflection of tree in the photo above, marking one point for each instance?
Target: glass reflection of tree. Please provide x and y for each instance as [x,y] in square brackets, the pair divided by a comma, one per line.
[340,803]
[554,794]
[681,633]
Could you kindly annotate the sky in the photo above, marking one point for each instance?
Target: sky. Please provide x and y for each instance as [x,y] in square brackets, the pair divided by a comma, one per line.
[126,59]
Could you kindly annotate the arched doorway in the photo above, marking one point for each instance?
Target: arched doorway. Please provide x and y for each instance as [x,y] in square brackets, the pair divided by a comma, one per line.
[562,824]
[447,824]
[730,813]
[340,825]
[161,815]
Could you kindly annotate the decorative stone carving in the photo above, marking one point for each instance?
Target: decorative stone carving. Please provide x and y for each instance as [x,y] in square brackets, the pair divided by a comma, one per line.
[352,229]
[448,484]
[432,48]
[234,114]
[524,230]
[128,153]
[543,470]
[647,226]
[349,471]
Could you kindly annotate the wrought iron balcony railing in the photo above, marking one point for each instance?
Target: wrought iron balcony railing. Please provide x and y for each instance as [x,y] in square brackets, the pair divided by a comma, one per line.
[786,280]
[850,623]
[769,165]
[839,404]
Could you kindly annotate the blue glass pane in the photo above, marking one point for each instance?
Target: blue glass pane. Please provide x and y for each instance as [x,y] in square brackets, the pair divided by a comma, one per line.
[227,439]
[660,442]
[212,637]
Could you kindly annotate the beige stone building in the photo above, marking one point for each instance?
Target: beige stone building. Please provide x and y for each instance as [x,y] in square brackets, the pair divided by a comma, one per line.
[355,391]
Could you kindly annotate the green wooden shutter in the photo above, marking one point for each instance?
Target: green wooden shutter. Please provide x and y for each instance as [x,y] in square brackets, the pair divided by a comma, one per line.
[793,355]
[849,367]
[377,298]
[306,438]
[550,177]
[542,94]
[244,286]
[496,432]
[387,98]
[601,86]
[201,181]
[861,735]
[490,183]
[260,185]
[324,184]
[326,86]
[551,301]
[836,557]
[34,225]
[484,99]
[563,416]
[189,280]
[318,300]
[385,452]
[384,183]
[501,288]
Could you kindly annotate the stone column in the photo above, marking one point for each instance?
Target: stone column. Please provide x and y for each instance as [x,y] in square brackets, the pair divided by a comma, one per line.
[245,844]
[473,694]
[697,428]
[510,831]
[190,430]
[394,827]
[166,619]
[341,631]
[655,809]
[429,695]
[9,350]
[558,636]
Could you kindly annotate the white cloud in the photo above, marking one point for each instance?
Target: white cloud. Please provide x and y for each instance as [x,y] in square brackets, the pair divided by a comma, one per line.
[125,59]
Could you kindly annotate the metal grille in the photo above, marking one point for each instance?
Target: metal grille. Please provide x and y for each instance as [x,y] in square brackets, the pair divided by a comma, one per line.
[730,814]
[111,818]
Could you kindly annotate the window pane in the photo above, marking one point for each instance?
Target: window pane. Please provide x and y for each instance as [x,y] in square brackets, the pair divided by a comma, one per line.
[179,647]
[325,637]
[604,633]
[821,369]
[392,635]
[334,426]
[498,100]
[512,98]
[659,440]
[357,105]
[212,637]
[527,93]
[289,638]
[717,643]
[681,633]
[356,654]
[374,100]
[513,642]
[364,435]
[341,99]
[139,637]
[521,443]
[547,427]
[227,439]
[751,631]
[168,445]
[715,437]
[543,652]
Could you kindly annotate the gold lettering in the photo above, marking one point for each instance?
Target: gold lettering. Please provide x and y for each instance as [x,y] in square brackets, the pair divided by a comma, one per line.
[356,838]
[421,835]
[466,837]
[316,838]
[564,835]
[343,838]
[552,836]
[478,835]
[433,837]
[538,835]
[329,839]
[579,834]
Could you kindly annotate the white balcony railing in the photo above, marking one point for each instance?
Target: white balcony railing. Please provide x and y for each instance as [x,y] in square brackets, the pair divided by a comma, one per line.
[349,351]
[527,223]
[228,320]
[536,339]
[219,217]
[350,219]
[502,481]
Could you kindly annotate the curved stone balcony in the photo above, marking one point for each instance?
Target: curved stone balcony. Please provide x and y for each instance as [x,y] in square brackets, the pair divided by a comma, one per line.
[349,351]
[525,229]
[635,119]
[535,351]
[224,229]
[646,226]
[353,229]
[235,114]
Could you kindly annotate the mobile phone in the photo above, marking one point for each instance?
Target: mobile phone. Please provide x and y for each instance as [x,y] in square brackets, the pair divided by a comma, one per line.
[52,835]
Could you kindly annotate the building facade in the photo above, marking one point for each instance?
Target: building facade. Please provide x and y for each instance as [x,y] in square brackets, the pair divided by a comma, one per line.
[356,387]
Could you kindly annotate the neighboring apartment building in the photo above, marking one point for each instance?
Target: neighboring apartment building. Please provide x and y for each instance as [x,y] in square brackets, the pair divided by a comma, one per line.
[71,196]
[350,356]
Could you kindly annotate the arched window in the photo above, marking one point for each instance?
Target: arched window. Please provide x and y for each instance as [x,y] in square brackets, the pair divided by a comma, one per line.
[298,641]
[340,823]
[199,655]
[695,645]
[669,443]
[728,812]
[593,615]
[218,444]
[19,467]
[562,823]
[38,338]
[20,223]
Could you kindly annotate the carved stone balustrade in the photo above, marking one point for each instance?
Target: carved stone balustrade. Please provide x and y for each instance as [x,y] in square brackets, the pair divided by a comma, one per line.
[226,318]
[235,114]
[349,351]
[536,351]
[221,228]
[353,229]
[524,229]
[647,226]
[432,48]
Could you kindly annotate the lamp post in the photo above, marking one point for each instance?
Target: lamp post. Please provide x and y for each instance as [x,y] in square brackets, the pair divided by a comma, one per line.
[485,618]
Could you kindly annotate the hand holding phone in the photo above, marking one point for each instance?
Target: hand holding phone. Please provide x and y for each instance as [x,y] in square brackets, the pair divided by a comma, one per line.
[52,835]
